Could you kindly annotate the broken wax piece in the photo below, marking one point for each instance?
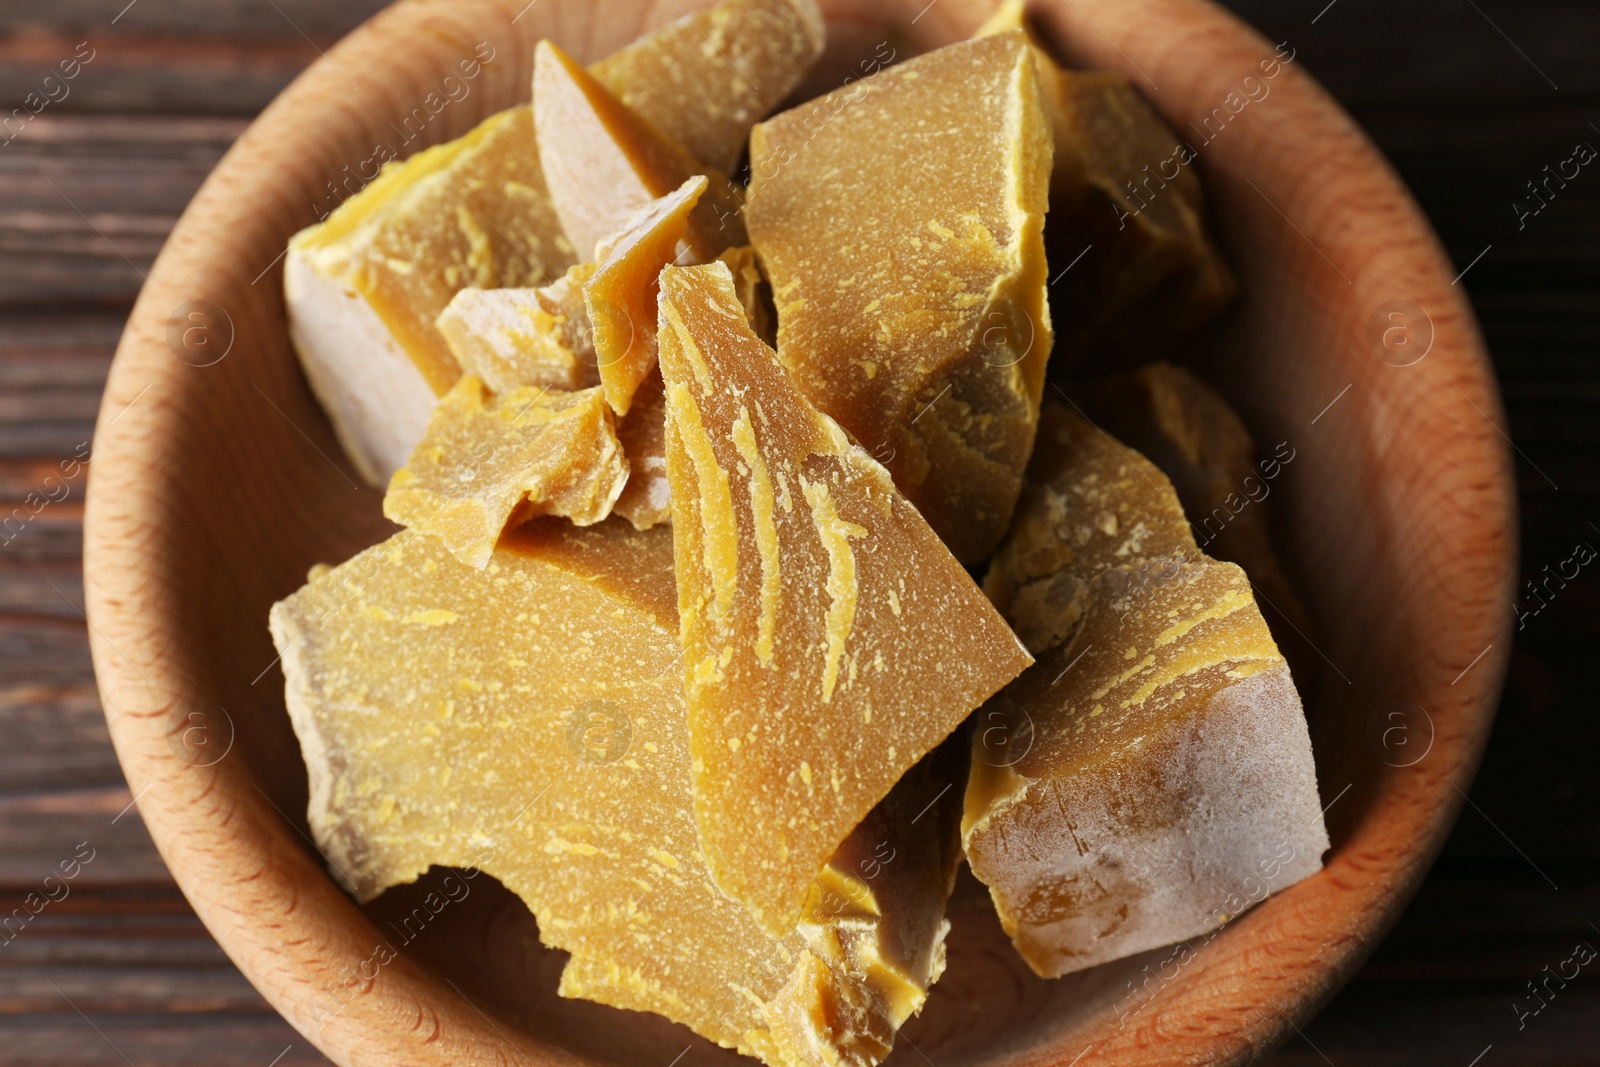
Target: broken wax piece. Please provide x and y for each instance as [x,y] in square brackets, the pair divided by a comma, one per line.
[752,291]
[830,640]
[1089,503]
[603,162]
[1147,780]
[621,293]
[1190,431]
[706,78]
[647,498]
[516,337]
[1123,195]
[1153,770]
[491,461]
[912,308]
[528,721]
[363,288]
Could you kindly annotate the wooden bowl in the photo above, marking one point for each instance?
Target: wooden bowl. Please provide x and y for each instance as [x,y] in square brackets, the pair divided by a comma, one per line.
[217,483]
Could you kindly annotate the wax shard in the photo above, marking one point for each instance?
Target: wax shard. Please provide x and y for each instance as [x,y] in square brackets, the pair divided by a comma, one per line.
[830,640]
[364,288]
[603,162]
[1124,195]
[1090,503]
[621,294]
[1191,432]
[528,721]
[516,337]
[899,220]
[705,79]
[647,498]
[754,294]
[1151,776]
[491,461]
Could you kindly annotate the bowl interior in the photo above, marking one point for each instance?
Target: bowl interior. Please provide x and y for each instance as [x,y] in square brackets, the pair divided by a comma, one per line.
[218,484]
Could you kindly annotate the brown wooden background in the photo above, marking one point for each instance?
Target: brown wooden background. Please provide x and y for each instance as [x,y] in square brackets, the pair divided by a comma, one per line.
[1470,98]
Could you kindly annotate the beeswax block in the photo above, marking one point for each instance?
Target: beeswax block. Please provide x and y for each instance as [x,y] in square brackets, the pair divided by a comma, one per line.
[1151,775]
[706,78]
[364,288]
[1090,503]
[527,720]
[515,337]
[830,640]
[899,220]
[603,162]
[621,293]
[647,498]
[491,461]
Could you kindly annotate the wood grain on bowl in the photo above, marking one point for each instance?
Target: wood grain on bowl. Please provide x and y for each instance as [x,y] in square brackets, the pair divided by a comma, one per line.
[217,483]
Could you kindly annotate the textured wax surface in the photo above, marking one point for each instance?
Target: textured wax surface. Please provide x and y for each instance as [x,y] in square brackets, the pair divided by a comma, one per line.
[488,462]
[647,498]
[472,212]
[900,222]
[603,162]
[528,721]
[830,639]
[705,79]
[621,294]
[1151,775]
[1090,503]
[516,337]
[1188,430]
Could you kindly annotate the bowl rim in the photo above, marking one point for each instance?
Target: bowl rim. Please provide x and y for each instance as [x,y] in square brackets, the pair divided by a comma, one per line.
[205,823]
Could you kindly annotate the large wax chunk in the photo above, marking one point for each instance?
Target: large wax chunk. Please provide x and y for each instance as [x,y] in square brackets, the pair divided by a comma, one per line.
[1124,195]
[705,79]
[621,293]
[364,288]
[1188,430]
[830,639]
[603,162]
[488,462]
[1090,503]
[899,220]
[528,720]
[516,337]
[1151,775]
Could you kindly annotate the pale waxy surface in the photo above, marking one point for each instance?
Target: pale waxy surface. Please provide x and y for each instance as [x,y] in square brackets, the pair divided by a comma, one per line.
[1090,503]
[1156,758]
[490,461]
[516,337]
[900,222]
[603,162]
[621,293]
[705,79]
[472,212]
[830,639]
[528,720]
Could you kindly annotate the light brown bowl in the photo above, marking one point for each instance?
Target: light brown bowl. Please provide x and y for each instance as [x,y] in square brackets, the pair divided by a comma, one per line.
[215,487]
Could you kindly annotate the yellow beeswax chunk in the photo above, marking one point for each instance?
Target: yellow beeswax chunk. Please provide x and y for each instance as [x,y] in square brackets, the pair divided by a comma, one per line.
[621,293]
[1190,431]
[1151,776]
[527,720]
[1090,503]
[705,79]
[492,461]
[364,287]
[899,220]
[647,498]
[516,337]
[830,639]
[752,291]
[1123,195]
[603,162]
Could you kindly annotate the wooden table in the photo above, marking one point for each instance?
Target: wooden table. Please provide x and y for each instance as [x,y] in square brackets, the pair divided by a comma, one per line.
[1470,98]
